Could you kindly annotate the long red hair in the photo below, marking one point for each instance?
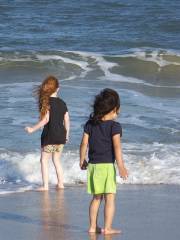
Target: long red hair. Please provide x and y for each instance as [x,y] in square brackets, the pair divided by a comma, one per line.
[43,93]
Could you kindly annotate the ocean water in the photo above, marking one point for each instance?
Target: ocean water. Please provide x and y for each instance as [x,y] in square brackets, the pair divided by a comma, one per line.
[131,46]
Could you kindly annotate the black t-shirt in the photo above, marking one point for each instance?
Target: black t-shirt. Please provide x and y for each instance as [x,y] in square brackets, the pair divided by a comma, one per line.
[101,148]
[54,131]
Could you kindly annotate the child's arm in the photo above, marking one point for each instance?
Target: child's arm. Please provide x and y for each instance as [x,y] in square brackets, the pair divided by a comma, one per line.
[40,124]
[118,156]
[67,125]
[83,148]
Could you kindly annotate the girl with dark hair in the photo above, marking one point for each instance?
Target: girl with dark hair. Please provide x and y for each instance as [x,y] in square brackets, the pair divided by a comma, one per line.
[102,138]
[54,118]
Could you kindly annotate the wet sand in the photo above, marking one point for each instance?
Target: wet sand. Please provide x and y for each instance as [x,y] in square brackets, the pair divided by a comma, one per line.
[143,212]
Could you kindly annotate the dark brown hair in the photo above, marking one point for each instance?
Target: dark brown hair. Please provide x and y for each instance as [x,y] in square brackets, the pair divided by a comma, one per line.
[107,100]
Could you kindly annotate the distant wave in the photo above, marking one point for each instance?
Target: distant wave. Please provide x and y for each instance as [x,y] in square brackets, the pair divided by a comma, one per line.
[150,67]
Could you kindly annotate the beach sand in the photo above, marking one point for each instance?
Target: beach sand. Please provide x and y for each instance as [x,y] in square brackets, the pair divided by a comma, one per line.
[143,212]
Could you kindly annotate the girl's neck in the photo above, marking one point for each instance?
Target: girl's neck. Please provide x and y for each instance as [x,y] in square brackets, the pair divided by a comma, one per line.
[110,116]
[54,94]
[107,117]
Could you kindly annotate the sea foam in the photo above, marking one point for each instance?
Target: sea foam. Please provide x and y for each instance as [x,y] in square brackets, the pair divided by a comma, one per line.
[146,163]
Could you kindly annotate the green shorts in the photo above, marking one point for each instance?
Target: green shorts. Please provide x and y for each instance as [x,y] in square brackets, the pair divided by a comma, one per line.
[101,178]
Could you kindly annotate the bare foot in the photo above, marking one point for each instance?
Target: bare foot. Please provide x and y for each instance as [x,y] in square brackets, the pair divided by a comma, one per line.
[42,189]
[96,230]
[59,187]
[111,231]
[92,230]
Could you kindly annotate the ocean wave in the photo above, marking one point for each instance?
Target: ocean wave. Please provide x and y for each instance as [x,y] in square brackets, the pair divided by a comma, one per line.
[162,57]
[159,56]
[147,164]
[150,67]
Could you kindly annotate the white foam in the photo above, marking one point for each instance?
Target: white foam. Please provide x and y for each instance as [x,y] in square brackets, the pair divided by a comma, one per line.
[151,55]
[147,164]
[145,54]
[106,67]
[156,57]
[82,64]
[16,189]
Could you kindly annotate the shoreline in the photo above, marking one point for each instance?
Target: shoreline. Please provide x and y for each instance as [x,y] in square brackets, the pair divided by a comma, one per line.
[142,212]
[18,189]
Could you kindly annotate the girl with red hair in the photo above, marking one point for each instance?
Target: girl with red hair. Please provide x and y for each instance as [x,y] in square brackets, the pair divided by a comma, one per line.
[54,119]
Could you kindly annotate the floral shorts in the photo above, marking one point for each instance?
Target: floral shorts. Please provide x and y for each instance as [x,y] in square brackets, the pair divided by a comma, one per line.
[53,148]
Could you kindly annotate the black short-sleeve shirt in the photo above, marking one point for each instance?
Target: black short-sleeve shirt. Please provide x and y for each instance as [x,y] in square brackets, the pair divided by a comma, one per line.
[101,148]
[54,131]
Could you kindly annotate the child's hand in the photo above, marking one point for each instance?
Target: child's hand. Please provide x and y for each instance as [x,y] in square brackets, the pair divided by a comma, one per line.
[29,129]
[123,173]
[67,139]
[80,164]
[83,165]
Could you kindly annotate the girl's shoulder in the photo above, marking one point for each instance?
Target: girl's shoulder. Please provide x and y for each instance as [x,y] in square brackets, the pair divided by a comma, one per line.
[116,128]
[110,126]
[88,123]
[58,102]
[88,126]
[113,127]
[61,100]
[115,123]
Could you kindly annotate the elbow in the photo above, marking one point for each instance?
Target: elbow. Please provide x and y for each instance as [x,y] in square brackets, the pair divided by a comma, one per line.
[46,121]
[116,148]
[67,122]
[83,145]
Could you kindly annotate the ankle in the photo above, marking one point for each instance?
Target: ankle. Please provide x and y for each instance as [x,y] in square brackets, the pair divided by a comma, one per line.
[92,227]
[60,184]
[107,228]
[92,230]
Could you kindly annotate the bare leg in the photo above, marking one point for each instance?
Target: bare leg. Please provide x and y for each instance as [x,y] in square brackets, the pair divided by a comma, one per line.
[93,213]
[44,171]
[58,168]
[109,210]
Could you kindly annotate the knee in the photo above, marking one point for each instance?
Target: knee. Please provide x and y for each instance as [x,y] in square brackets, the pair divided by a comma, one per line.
[109,197]
[98,197]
